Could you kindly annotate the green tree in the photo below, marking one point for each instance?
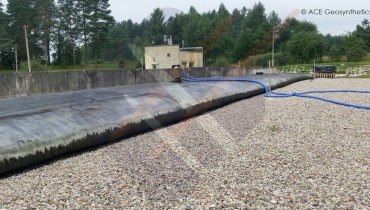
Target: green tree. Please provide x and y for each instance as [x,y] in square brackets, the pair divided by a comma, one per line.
[196,29]
[45,17]
[274,20]
[67,32]
[274,23]
[237,18]
[253,34]
[6,56]
[288,28]
[220,62]
[305,26]
[304,47]
[334,47]
[218,43]
[100,21]
[156,28]
[175,27]
[120,36]
[363,32]
[138,51]
[336,53]
[84,10]
[354,47]
[23,13]
[5,40]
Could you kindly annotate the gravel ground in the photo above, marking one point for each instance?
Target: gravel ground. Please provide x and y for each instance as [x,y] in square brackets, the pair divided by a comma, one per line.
[258,153]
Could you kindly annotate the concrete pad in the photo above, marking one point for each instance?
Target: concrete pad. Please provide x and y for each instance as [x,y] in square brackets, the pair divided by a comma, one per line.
[41,127]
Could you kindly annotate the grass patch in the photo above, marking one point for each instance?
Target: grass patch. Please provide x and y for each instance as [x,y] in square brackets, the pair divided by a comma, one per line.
[128,65]
[104,66]
[274,128]
[367,58]
[342,67]
[7,71]
[364,76]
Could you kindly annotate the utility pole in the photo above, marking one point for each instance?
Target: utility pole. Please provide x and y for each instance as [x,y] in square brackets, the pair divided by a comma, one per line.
[74,56]
[16,57]
[273,46]
[314,69]
[269,85]
[28,51]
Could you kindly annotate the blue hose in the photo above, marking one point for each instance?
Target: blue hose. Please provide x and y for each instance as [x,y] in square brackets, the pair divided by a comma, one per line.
[273,94]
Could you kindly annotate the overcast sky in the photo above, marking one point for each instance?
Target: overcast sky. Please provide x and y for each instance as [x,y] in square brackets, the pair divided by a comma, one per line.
[137,10]
[334,24]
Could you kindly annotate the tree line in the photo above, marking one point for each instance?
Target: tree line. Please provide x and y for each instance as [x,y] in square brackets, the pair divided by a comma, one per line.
[73,32]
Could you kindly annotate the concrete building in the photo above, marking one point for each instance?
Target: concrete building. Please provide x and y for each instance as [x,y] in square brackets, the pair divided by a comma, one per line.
[165,56]
[191,56]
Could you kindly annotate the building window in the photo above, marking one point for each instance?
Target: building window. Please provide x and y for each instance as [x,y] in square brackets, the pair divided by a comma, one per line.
[184,63]
[191,64]
[168,54]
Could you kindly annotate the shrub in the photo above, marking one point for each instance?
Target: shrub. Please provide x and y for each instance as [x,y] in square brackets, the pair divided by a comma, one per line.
[221,62]
[36,65]
[121,63]
[263,60]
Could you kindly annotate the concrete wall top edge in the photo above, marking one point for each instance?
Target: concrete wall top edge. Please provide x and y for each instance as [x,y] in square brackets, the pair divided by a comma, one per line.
[25,83]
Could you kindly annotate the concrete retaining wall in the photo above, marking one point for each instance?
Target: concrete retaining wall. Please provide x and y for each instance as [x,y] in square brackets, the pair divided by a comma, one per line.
[24,83]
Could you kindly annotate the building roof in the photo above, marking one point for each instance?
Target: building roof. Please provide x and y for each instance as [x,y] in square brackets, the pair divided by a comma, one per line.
[164,45]
[194,49]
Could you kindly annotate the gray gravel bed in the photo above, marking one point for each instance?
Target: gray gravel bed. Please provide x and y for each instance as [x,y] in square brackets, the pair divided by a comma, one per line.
[258,153]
